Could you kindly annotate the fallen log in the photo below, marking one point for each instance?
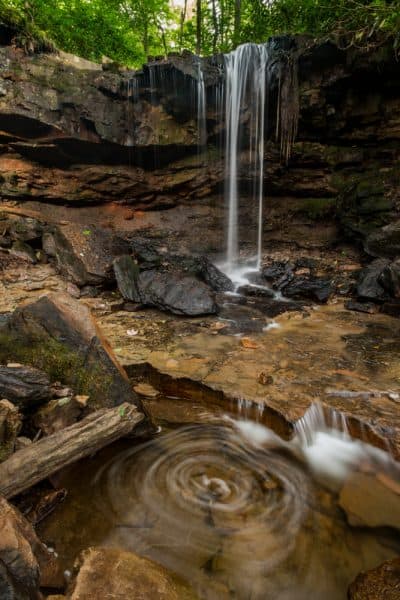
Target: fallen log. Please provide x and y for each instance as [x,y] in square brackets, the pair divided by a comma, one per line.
[41,459]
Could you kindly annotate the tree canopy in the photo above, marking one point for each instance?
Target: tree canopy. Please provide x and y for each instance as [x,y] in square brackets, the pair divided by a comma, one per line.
[128,31]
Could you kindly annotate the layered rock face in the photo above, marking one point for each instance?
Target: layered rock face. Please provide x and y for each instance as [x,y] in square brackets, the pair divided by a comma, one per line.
[72,132]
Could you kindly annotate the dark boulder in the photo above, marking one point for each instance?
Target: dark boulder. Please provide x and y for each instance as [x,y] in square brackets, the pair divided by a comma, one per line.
[85,254]
[170,288]
[313,288]
[257,291]
[390,279]
[279,273]
[24,386]
[145,253]
[369,287]
[211,275]
[384,242]
[176,292]
[364,307]
[59,335]
[127,273]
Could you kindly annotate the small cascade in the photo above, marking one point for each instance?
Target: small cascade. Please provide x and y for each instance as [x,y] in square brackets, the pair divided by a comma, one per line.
[246,87]
[320,419]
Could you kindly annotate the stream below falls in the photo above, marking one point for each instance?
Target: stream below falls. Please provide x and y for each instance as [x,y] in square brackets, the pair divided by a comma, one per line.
[235,510]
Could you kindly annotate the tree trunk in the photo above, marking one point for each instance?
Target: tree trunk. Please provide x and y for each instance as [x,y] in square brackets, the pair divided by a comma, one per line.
[198,27]
[215,25]
[41,459]
[183,19]
[237,22]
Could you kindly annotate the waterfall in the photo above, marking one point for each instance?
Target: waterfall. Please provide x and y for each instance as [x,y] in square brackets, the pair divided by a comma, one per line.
[246,82]
[201,108]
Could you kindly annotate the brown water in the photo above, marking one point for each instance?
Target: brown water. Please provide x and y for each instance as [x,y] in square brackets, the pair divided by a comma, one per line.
[230,507]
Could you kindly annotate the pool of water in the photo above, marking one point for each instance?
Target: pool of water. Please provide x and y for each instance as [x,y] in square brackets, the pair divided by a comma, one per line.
[233,509]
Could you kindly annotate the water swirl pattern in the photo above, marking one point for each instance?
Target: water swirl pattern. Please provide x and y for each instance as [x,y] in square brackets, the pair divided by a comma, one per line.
[209,497]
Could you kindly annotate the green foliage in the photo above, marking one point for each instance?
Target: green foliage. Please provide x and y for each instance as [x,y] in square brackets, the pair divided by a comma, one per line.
[127,31]
[59,362]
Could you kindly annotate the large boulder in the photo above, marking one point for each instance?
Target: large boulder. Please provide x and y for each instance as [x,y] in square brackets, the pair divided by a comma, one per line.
[313,288]
[369,286]
[171,290]
[24,386]
[384,242]
[59,335]
[113,573]
[85,254]
[390,279]
[21,556]
[382,583]
[176,292]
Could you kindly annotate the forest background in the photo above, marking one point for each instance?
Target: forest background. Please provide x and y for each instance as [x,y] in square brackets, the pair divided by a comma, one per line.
[128,31]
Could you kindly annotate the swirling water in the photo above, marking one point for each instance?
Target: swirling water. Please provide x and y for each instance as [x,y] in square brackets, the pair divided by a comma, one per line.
[230,507]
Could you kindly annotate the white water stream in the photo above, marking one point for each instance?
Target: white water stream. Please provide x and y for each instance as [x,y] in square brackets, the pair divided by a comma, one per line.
[246,83]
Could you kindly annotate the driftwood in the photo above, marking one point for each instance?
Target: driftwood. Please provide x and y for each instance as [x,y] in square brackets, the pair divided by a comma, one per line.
[43,458]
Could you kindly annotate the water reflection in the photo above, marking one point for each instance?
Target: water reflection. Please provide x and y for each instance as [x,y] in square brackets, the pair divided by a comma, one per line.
[230,507]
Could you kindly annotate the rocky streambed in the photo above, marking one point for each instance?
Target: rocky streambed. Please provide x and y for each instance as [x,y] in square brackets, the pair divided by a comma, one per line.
[244,414]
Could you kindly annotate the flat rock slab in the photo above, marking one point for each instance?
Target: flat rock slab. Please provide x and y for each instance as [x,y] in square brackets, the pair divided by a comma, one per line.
[382,583]
[324,355]
[368,502]
[112,573]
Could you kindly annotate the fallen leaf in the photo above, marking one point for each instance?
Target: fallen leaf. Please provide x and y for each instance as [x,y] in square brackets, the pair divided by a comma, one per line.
[132,332]
[248,343]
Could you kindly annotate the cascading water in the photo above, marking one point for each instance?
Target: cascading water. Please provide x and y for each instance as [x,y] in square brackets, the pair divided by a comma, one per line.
[246,86]
[201,108]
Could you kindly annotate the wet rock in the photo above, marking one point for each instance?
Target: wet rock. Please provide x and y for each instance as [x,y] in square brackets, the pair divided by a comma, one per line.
[21,556]
[369,287]
[146,253]
[112,573]
[24,386]
[279,272]
[368,502]
[254,290]
[313,288]
[59,334]
[10,426]
[85,254]
[25,229]
[176,292]
[390,279]
[382,583]
[217,280]
[126,273]
[23,251]
[364,307]
[384,242]
[57,414]
[392,308]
